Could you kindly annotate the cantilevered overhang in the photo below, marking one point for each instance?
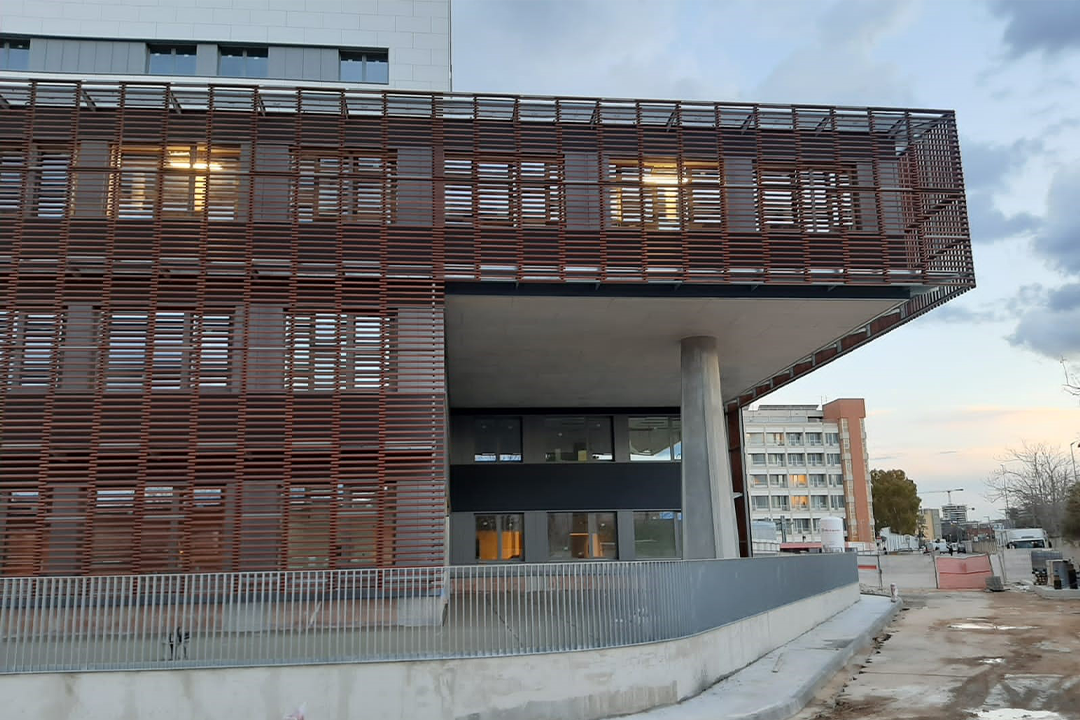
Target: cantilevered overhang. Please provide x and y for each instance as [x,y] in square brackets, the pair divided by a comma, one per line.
[547,346]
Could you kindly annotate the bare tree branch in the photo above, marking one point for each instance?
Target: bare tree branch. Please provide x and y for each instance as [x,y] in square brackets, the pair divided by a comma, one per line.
[1036,480]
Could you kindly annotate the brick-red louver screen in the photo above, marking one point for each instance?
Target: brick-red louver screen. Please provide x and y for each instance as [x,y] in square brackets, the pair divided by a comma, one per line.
[221,309]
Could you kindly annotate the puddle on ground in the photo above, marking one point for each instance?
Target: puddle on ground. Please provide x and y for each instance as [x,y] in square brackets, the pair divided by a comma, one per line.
[988,626]
[992,661]
[1053,647]
[1017,714]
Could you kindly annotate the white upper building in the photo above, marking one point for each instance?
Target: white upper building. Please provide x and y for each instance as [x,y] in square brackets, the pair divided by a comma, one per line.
[378,44]
[800,467]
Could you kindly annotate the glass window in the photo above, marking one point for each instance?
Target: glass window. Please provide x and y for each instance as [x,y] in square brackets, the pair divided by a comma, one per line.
[800,502]
[760,502]
[657,193]
[759,480]
[365,66]
[655,534]
[837,502]
[757,458]
[800,525]
[497,439]
[832,458]
[15,55]
[250,62]
[780,502]
[582,536]
[500,537]
[794,438]
[577,439]
[819,502]
[193,178]
[776,459]
[832,438]
[171,59]
[755,438]
[353,186]
[813,438]
[836,480]
[795,459]
[774,438]
[778,480]
[815,459]
[655,438]
[798,481]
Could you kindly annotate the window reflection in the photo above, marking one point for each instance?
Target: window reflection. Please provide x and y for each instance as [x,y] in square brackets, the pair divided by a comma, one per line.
[577,439]
[499,537]
[655,439]
[582,536]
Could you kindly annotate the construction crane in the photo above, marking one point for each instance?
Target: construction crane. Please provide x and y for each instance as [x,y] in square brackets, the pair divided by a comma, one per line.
[949,492]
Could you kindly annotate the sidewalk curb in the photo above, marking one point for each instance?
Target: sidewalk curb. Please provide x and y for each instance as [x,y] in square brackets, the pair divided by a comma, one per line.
[806,690]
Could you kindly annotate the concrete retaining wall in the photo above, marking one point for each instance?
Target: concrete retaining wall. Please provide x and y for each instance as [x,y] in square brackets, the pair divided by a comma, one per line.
[557,686]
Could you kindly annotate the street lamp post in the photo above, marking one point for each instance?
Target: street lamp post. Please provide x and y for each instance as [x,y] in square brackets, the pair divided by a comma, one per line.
[1072,452]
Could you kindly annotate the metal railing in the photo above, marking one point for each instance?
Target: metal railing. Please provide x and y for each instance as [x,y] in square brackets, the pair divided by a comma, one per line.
[50,624]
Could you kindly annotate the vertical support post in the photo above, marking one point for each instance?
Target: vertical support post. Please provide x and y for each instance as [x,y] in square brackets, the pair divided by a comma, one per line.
[709,521]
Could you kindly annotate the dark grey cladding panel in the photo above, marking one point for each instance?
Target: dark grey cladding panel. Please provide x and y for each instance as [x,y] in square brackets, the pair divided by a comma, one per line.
[588,486]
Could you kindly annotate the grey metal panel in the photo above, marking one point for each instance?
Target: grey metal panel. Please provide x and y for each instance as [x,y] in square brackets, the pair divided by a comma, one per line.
[414,188]
[90,187]
[137,57]
[624,534]
[37,54]
[462,539]
[330,65]
[312,64]
[536,538]
[54,55]
[461,439]
[583,200]
[87,55]
[271,192]
[206,59]
[277,61]
[514,487]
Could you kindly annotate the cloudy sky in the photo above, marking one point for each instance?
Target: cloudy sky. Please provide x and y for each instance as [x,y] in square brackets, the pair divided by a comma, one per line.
[948,394]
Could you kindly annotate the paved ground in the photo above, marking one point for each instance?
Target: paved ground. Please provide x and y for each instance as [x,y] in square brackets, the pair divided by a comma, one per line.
[995,656]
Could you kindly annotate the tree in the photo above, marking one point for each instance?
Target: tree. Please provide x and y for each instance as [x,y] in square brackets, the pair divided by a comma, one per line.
[896,501]
[1035,480]
[1071,528]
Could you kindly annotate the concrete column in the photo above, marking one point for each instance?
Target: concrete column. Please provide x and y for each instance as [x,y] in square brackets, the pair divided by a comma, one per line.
[709,524]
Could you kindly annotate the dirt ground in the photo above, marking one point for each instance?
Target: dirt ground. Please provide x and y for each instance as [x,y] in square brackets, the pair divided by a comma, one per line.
[995,656]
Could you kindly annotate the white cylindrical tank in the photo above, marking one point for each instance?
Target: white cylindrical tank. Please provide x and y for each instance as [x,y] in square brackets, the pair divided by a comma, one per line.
[832,534]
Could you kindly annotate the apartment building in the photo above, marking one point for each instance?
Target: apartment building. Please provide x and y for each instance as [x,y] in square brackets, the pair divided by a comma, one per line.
[271,297]
[806,462]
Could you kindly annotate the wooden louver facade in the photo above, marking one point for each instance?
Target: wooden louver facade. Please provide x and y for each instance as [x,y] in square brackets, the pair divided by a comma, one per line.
[221,308]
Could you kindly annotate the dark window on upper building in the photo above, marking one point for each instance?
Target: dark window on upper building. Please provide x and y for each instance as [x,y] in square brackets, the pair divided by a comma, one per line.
[814,200]
[577,439]
[14,54]
[655,438]
[171,59]
[497,439]
[365,66]
[247,62]
[350,186]
[502,191]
